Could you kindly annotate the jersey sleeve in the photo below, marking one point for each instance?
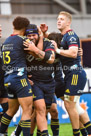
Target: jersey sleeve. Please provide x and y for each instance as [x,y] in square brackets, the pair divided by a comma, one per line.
[72,40]
[48,45]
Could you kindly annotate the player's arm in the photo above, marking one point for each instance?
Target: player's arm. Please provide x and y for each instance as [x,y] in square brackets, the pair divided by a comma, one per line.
[44,29]
[80,51]
[71,52]
[47,56]
[40,43]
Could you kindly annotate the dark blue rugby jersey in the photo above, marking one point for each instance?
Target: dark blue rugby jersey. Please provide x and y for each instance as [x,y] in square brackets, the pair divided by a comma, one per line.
[58,75]
[70,39]
[40,70]
[13,53]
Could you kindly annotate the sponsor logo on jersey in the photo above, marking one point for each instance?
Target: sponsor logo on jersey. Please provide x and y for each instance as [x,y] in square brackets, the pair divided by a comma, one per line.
[11,95]
[80,91]
[30,91]
[7,84]
[67,91]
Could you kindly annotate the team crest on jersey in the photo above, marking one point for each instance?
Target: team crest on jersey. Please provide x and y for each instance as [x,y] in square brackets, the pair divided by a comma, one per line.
[73,40]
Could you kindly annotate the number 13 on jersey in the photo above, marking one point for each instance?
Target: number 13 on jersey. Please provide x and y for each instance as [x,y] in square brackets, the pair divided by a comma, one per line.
[6,57]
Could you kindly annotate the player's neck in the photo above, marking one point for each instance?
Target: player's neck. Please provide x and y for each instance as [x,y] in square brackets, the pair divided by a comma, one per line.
[18,32]
[65,30]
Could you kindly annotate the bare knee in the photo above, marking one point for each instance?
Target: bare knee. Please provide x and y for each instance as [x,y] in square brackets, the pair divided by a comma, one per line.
[54,112]
[67,104]
[26,105]
[40,107]
[27,109]
[12,110]
[70,101]
[13,106]
[70,106]
[41,110]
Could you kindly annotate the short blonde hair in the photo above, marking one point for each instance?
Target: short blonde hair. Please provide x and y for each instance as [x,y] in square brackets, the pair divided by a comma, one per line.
[67,14]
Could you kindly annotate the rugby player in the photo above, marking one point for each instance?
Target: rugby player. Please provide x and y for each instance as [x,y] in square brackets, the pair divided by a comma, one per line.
[40,67]
[15,78]
[59,79]
[3,92]
[75,76]
[60,84]
[41,71]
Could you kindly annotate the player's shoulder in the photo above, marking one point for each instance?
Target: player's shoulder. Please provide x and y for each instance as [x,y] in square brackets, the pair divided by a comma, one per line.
[47,44]
[22,37]
[46,40]
[71,33]
[17,37]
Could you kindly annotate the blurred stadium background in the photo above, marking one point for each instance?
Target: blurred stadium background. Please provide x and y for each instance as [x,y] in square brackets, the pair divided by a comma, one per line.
[40,11]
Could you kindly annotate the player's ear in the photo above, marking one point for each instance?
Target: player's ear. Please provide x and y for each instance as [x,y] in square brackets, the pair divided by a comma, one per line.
[68,22]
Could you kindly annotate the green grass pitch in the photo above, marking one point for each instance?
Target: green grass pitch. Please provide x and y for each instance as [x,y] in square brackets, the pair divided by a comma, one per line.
[65,130]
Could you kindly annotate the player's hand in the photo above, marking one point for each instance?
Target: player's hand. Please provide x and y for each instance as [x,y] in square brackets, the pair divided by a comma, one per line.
[30,81]
[39,31]
[55,44]
[80,51]
[43,27]
[30,46]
